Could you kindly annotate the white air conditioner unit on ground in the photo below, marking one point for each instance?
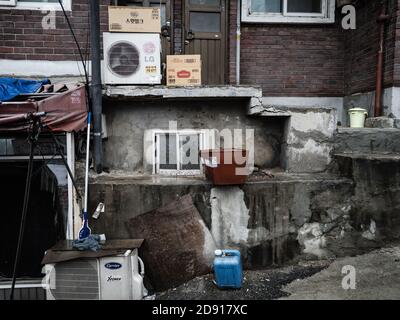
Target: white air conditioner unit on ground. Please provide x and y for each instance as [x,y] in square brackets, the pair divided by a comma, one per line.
[105,278]
[132,58]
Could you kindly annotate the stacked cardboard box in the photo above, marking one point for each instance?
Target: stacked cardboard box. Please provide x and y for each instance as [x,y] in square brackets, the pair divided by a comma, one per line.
[184,70]
[134,19]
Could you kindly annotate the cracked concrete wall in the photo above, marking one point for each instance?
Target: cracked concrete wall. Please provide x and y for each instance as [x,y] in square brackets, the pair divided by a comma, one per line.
[271,222]
[261,219]
[376,198]
[127,123]
[229,216]
[309,139]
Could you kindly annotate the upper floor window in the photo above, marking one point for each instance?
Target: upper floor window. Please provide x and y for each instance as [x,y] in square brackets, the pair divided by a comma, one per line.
[36,4]
[288,11]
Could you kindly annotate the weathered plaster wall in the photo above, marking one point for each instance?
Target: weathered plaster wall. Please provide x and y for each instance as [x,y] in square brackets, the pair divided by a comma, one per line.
[309,139]
[128,121]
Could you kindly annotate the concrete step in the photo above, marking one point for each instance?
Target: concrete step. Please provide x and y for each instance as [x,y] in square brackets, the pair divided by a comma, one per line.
[367,140]
[382,122]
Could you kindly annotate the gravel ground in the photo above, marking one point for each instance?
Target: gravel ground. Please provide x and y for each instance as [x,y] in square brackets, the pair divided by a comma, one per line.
[377,277]
[257,285]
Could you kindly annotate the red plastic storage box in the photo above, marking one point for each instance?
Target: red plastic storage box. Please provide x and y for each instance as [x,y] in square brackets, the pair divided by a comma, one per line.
[225,166]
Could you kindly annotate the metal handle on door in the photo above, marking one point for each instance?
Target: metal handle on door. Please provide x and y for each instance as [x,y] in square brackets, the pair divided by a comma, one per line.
[190,35]
[166,29]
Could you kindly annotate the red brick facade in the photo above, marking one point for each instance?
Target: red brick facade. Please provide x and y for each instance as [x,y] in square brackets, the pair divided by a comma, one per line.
[22,35]
[361,47]
[289,60]
[285,59]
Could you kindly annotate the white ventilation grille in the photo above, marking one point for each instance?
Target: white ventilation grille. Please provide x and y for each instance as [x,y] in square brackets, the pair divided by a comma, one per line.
[76,280]
[123,59]
[132,58]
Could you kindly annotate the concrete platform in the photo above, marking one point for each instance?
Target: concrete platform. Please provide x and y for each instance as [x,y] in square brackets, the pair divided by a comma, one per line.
[367,140]
[137,179]
[164,92]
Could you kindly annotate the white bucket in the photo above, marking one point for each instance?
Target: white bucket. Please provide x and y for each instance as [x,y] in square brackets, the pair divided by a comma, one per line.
[357,117]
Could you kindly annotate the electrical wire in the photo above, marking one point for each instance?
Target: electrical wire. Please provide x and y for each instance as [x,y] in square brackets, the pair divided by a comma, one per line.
[77,44]
[87,47]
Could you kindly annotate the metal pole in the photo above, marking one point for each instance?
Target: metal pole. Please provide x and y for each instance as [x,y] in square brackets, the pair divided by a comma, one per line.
[60,152]
[96,89]
[382,18]
[238,36]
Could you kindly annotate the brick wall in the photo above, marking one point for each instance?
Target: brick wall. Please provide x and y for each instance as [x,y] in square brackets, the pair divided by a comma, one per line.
[290,59]
[22,35]
[361,46]
[284,59]
[396,44]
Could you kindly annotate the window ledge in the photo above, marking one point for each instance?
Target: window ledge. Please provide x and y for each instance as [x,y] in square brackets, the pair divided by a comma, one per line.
[326,17]
[289,19]
[39,7]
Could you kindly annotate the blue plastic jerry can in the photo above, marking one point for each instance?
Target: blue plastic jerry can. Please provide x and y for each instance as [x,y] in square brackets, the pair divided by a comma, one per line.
[228,269]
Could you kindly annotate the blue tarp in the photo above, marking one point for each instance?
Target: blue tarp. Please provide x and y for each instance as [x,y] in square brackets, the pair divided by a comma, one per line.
[12,87]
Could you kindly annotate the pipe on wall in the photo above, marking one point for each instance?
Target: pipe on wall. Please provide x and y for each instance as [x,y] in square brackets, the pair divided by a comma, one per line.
[238,36]
[381,20]
[96,88]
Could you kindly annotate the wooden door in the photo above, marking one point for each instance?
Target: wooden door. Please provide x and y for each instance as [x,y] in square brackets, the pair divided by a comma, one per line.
[205,34]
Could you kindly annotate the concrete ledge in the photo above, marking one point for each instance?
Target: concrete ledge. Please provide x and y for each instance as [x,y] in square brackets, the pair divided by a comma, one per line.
[164,92]
[382,122]
[367,140]
[258,108]
[367,130]
[382,157]
[279,178]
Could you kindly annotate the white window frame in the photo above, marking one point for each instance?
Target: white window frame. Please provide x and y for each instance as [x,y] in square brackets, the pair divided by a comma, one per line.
[15,4]
[204,139]
[326,16]
[8,2]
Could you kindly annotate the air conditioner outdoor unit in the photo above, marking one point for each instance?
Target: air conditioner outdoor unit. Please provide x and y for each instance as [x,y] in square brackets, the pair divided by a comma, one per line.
[132,58]
[105,278]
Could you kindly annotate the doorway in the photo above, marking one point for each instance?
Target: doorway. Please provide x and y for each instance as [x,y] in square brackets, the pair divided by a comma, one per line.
[205,33]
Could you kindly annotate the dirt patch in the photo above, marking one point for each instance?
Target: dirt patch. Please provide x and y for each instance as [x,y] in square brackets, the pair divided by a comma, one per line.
[257,285]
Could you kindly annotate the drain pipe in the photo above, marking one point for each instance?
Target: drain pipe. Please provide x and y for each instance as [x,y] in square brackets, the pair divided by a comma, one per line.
[381,20]
[238,35]
[96,89]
